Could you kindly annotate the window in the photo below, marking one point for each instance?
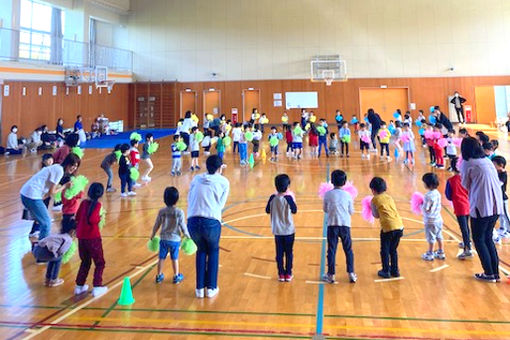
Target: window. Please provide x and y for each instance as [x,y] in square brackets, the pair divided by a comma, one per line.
[37,29]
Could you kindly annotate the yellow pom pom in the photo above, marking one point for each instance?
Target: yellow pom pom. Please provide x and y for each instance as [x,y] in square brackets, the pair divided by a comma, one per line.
[285,119]
[313,119]
[194,118]
[228,127]
[179,124]
[257,115]
[307,126]
[210,117]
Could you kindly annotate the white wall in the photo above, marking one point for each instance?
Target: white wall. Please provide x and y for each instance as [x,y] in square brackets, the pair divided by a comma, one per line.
[275,39]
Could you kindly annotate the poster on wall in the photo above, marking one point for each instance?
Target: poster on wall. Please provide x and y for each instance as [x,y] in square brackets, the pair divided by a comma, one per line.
[234,110]
[39,92]
[78,89]
[277,96]
[54,90]
[90,89]
[7,89]
[298,100]
[24,91]
[277,103]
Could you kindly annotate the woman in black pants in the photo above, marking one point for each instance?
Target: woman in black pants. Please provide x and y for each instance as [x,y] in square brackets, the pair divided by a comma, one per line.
[480,178]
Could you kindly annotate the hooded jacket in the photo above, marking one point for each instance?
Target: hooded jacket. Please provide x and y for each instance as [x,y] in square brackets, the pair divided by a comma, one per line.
[207,196]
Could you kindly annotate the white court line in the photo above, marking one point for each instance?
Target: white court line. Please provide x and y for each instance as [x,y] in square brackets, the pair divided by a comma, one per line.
[444,266]
[238,237]
[85,304]
[320,282]
[258,276]
[392,279]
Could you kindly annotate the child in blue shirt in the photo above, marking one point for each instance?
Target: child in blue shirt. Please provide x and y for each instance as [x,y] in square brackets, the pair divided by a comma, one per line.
[345,138]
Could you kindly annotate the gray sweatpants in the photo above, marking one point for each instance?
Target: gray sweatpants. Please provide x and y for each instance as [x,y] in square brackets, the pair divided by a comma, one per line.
[176,164]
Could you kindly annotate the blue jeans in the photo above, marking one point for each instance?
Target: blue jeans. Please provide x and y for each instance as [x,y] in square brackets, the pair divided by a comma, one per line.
[482,238]
[43,254]
[40,213]
[109,172]
[243,152]
[206,232]
[323,141]
[125,180]
[284,248]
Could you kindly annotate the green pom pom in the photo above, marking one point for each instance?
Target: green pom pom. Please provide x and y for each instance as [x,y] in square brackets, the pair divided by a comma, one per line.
[135,136]
[321,130]
[199,136]
[134,174]
[298,130]
[70,252]
[188,246]
[181,146]
[78,152]
[227,141]
[273,141]
[153,147]
[346,139]
[58,197]
[102,222]
[117,154]
[153,245]
[248,136]
[78,184]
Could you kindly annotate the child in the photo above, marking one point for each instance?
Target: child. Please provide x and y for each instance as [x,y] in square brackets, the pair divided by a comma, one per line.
[262,121]
[236,136]
[285,121]
[451,149]
[220,145]
[323,137]
[257,136]
[90,244]
[339,119]
[176,157]
[384,140]
[408,144]
[69,206]
[313,139]
[421,116]
[288,139]
[172,223]
[354,123]
[195,148]
[107,164]
[134,158]
[438,150]
[274,148]
[339,206]
[50,249]
[398,115]
[281,207]
[47,160]
[364,141]
[149,139]
[495,146]
[488,149]
[243,148]
[125,172]
[504,222]
[333,143]
[13,147]
[297,140]
[345,139]
[463,133]
[429,139]
[392,228]
[431,210]
[206,142]
[408,119]
[458,195]
[395,138]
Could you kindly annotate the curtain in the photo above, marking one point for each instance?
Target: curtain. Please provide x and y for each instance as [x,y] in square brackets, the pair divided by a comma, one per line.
[56,36]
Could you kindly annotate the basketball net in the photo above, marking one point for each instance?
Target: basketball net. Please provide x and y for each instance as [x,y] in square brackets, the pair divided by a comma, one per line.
[328,76]
[328,81]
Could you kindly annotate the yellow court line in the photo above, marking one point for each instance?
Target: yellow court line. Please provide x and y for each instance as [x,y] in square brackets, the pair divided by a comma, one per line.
[290,325]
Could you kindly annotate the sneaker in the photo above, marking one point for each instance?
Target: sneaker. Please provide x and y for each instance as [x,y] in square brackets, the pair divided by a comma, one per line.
[388,158]
[192,169]
[328,278]
[281,278]
[173,173]
[110,190]
[368,156]
[405,161]
[199,293]
[362,156]
[395,274]
[178,278]
[212,292]
[78,290]
[197,167]
[98,291]
[35,234]
[465,255]
[428,256]
[56,282]
[461,245]
[124,194]
[440,255]
[178,173]
[353,277]
[57,207]
[383,274]
[497,278]
[137,185]
[506,234]
[486,278]
[160,278]
[289,278]
[131,193]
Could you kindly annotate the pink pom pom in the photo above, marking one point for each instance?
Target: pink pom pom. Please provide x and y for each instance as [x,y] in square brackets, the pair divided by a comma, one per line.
[324,188]
[429,134]
[351,189]
[383,134]
[437,135]
[366,209]
[442,142]
[366,139]
[457,142]
[416,202]
[405,138]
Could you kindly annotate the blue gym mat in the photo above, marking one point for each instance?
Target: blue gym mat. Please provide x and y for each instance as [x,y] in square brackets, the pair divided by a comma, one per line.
[109,142]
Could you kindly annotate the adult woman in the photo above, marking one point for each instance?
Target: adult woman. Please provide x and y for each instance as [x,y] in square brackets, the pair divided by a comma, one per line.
[375,121]
[44,183]
[480,178]
[304,118]
[206,199]
[459,101]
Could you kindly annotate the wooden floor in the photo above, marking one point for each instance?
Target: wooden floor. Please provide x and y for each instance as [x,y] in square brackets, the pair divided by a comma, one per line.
[438,300]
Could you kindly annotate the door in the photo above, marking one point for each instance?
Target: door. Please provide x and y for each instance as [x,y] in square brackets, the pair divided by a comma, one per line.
[251,100]
[384,101]
[146,112]
[212,102]
[188,102]
[485,105]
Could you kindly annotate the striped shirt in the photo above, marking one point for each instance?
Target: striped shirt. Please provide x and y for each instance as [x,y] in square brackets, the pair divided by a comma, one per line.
[176,153]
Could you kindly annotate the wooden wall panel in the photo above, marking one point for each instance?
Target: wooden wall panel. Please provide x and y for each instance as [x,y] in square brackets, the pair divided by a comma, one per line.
[33,110]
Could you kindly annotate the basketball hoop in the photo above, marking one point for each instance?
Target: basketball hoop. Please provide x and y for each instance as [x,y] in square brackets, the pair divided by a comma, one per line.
[328,76]
[108,84]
